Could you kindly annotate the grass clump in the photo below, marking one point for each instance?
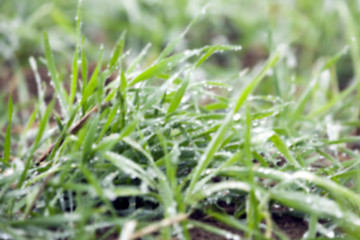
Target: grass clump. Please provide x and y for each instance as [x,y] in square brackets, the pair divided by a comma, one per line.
[132,152]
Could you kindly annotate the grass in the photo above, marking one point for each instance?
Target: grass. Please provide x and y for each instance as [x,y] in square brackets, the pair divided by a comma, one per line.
[142,154]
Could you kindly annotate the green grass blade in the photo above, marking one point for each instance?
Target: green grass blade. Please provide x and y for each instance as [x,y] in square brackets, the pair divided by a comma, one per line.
[89,138]
[336,99]
[215,230]
[137,60]
[175,102]
[74,75]
[213,49]
[129,167]
[43,123]
[164,65]
[59,89]
[75,63]
[235,223]
[211,189]
[317,205]
[250,87]
[83,65]
[118,51]
[7,145]
[281,146]
[336,189]
[93,83]
[221,132]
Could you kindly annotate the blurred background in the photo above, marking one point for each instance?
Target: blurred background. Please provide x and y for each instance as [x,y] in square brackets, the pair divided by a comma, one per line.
[311,30]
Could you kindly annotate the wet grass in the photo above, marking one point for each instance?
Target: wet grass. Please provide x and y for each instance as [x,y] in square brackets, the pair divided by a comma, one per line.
[137,156]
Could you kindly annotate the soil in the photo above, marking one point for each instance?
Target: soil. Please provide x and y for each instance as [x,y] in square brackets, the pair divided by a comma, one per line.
[292,226]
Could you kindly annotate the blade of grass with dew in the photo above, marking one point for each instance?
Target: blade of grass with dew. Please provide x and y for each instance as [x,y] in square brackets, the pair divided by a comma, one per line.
[121,93]
[333,60]
[108,142]
[49,221]
[165,192]
[40,90]
[267,173]
[93,83]
[311,233]
[59,89]
[43,123]
[129,167]
[178,97]
[83,66]
[170,164]
[334,188]
[27,127]
[235,158]
[210,189]
[181,91]
[63,133]
[281,146]
[75,63]
[343,140]
[89,138]
[163,65]
[8,230]
[94,182]
[117,51]
[329,157]
[336,99]
[110,117]
[315,204]
[299,107]
[7,145]
[221,132]
[252,214]
[127,230]
[163,186]
[216,230]
[301,103]
[213,49]
[235,223]
[137,60]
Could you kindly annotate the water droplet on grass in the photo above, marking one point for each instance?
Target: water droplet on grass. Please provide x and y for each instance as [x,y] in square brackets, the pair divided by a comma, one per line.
[270,72]
[238,48]
[236,116]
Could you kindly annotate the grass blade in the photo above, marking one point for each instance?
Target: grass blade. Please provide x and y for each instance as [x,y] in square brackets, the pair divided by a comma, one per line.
[7,145]
[281,146]
[59,89]
[118,51]
[221,132]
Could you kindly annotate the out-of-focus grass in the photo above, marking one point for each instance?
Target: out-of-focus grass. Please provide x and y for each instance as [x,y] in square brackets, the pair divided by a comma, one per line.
[195,123]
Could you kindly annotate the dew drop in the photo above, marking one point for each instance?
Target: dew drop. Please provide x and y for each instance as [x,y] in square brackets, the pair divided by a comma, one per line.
[236,116]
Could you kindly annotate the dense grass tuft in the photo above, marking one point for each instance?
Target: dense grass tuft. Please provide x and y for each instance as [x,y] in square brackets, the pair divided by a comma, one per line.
[141,146]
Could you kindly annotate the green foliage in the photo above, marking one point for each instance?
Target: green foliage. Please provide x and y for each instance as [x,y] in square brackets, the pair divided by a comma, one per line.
[154,136]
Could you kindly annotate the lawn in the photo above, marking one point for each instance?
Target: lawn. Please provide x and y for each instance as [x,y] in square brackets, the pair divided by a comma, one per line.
[179,119]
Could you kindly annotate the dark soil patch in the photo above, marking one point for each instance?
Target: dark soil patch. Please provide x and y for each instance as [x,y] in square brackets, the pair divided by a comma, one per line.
[292,226]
